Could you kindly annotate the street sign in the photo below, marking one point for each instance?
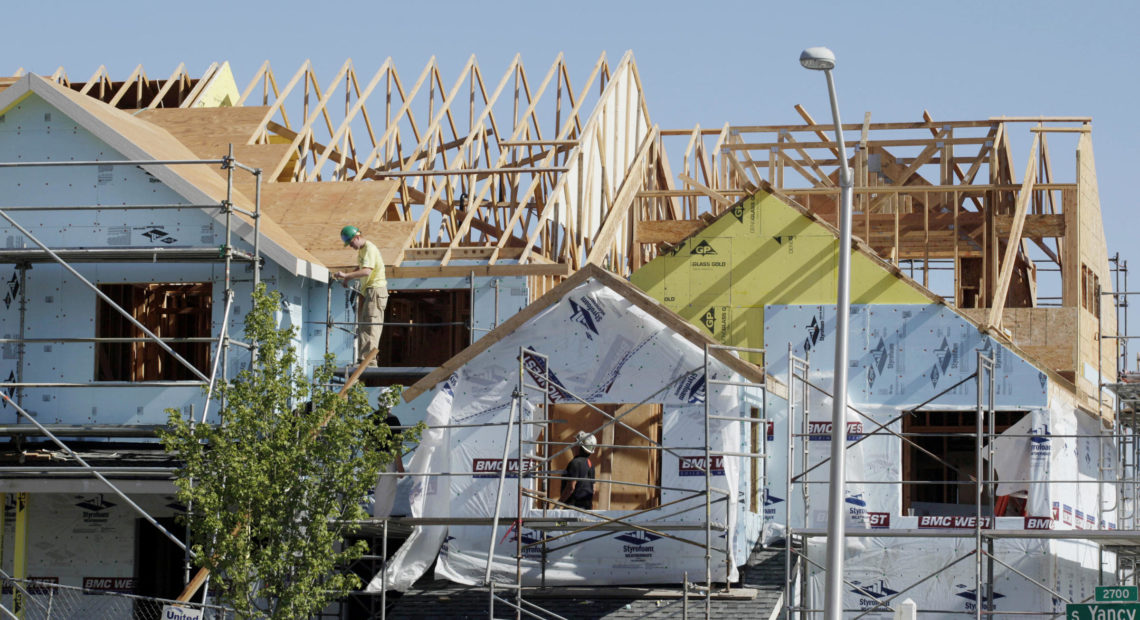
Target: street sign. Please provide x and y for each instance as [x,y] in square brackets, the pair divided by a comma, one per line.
[1116,594]
[177,612]
[1103,611]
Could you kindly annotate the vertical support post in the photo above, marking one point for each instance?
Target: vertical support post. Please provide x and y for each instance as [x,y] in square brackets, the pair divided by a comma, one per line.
[496,323]
[978,596]
[518,495]
[546,435]
[21,348]
[227,208]
[993,414]
[3,521]
[1099,443]
[1099,361]
[471,309]
[256,228]
[20,551]
[985,384]
[516,399]
[708,499]
[685,597]
[328,316]
[384,571]
[990,479]
[3,527]
[1122,323]
[187,563]
[788,481]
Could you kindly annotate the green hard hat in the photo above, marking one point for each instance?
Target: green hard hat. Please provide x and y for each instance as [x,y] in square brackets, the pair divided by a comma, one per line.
[348,232]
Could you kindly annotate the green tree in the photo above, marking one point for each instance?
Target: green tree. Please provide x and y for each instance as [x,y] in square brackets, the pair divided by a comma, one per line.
[273,485]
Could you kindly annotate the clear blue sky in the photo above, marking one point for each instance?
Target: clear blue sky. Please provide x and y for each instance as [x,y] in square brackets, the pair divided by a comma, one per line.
[706,62]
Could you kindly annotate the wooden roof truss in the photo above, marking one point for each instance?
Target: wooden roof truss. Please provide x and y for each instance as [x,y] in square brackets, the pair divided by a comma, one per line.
[138,90]
[528,168]
[520,167]
[929,196]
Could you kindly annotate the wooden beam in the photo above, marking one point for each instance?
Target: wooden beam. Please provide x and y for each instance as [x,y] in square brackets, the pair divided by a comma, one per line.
[460,253]
[918,162]
[451,271]
[279,105]
[1012,244]
[812,125]
[749,186]
[409,193]
[956,168]
[623,200]
[983,156]
[666,231]
[306,130]
[174,77]
[704,190]
[758,146]
[575,155]
[666,178]
[476,198]
[344,125]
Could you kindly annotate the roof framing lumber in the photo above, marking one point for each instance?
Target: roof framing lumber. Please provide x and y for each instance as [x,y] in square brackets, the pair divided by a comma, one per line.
[487,169]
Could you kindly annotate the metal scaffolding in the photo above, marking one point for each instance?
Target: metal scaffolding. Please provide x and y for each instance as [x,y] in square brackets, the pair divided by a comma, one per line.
[24,258]
[1118,550]
[524,443]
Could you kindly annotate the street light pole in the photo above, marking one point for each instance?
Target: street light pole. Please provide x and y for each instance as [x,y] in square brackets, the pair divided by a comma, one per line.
[822,59]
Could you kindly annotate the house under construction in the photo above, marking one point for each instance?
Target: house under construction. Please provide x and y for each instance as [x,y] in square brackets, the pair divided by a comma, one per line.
[990,418]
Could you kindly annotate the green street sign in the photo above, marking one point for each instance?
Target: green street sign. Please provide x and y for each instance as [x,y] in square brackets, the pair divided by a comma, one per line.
[1103,611]
[1116,594]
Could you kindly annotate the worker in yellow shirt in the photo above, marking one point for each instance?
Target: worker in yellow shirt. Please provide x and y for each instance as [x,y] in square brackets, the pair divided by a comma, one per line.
[373,291]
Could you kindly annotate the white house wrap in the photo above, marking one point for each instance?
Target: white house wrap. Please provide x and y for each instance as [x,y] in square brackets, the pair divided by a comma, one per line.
[605,346]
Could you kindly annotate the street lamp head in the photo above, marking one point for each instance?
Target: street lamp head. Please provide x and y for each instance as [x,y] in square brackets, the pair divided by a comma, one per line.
[818,59]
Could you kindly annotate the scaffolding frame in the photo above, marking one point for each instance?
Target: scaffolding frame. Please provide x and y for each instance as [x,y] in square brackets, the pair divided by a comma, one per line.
[728,169]
[591,522]
[24,258]
[1123,542]
[624,522]
[529,172]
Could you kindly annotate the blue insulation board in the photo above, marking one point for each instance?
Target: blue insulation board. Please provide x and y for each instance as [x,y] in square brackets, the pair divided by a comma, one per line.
[900,355]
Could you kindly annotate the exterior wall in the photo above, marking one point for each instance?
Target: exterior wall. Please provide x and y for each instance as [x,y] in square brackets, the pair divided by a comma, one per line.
[76,536]
[496,300]
[765,266]
[901,357]
[511,297]
[762,253]
[1044,333]
[53,303]
[611,353]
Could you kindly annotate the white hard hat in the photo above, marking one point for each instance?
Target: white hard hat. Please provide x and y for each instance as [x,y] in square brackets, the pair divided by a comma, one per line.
[587,441]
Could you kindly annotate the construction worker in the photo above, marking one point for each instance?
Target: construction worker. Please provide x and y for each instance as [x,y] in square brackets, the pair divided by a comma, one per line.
[373,291]
[578,489]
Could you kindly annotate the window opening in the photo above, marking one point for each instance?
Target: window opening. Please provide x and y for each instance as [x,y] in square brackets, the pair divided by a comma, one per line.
[434,329]
[932,487]
[632,460]
[169,310]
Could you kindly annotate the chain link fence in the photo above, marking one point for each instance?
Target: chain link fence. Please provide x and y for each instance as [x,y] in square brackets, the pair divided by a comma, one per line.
[33,600]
